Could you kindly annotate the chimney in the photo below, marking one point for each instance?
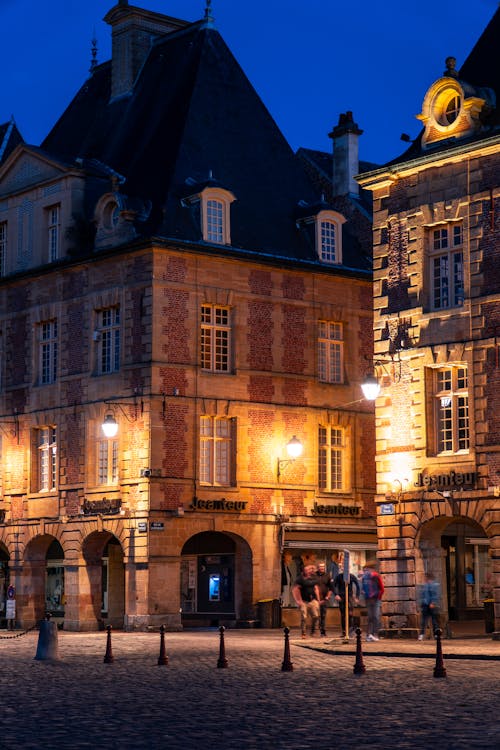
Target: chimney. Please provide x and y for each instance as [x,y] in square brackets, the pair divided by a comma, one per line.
[345,155]
[133,32]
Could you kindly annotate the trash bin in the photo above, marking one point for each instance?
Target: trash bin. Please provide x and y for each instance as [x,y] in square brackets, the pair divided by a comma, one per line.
[269,613]
[489,615]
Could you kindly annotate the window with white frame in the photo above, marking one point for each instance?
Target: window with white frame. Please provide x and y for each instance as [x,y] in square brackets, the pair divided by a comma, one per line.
[108,340]
[46,459]
[3,246]
[216,451]
[47,352]
[53,232]
[106,461]
[446,266]
[330,352]
[451,409]
[332,458]
[329,236]
[215,338]
[216,215]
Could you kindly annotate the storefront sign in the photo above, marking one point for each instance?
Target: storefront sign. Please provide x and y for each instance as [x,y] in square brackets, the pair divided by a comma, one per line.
[104,507]
[219,505]
[454,479]
[339,509]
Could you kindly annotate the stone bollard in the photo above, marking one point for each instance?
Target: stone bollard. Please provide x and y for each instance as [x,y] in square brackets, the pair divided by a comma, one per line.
[287,665]
[47,647]
[359,666]
[439,669]
[163,658]
[222,661]
[108,656]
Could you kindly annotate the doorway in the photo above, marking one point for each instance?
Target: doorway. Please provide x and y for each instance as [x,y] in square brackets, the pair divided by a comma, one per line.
[468,568]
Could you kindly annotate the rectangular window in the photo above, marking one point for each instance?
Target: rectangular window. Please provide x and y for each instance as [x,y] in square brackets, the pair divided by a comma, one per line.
[107,461]
[330,352]
[332,467]
[447,272]
[47,459]
[54,232]
[451,404]
[215,338]
[48,352]
[215,221]
[108,354]
[3,246]
[216,451]
[328,242]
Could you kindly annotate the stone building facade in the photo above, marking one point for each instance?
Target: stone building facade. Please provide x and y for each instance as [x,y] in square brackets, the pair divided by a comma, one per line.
[162,281]
[436,302]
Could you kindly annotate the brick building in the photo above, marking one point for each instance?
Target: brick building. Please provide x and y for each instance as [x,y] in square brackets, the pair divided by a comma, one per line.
[436,306]
[171,274]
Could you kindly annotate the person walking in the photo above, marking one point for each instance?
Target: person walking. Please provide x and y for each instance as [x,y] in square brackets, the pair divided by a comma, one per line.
[340,596]
[429,605]
[325,587]
[373,590]
[306,594]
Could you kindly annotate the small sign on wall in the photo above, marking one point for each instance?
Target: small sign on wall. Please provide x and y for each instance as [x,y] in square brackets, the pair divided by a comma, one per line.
[387,509]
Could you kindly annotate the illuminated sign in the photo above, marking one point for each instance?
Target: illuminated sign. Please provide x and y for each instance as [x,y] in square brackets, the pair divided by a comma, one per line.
[219,505]
[454,479]
[339,509]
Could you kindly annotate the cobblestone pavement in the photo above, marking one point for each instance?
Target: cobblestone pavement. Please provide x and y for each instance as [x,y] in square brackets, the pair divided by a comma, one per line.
[79,702]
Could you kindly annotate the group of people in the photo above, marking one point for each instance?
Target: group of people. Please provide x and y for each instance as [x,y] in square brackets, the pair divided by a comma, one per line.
[315,586]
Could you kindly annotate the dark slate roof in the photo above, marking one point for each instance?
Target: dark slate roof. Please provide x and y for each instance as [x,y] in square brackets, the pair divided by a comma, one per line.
[481,70]
[10,138]
[192,114]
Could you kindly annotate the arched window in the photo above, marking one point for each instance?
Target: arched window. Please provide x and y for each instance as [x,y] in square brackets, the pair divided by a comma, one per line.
[329,236]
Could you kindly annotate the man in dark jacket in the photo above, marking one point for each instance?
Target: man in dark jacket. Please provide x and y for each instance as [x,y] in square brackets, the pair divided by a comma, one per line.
[340,596]
[306,594]
[325,586]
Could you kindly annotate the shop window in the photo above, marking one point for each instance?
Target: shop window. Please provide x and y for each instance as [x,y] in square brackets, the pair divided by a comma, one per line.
[215,338]
[446,266]
[330,352]
[217,451]
[107,335]
[451,409]
[47,352]
[332,459]
[44,459]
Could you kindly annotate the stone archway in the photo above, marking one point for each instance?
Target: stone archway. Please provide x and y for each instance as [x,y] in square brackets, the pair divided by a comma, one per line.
[102,586]
[38,590]
[216,579]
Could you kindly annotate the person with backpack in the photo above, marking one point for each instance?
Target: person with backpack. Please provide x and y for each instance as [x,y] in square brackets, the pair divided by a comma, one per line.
[373,590]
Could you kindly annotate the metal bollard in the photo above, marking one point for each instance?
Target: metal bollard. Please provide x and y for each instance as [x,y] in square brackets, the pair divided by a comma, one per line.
[359,666]
[222,661]
[287,665]
[108,656]
[163,658]
[439,669]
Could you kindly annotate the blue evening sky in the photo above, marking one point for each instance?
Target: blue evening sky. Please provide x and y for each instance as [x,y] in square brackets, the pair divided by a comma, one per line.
[308,60]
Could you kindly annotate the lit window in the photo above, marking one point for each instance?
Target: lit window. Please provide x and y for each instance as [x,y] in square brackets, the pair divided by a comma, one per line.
[108,350]
[447,267]
[216,451]
[215,338]
[107,461]
[451,405]
[329,236]
[332,459]
[54,232]
[3,246]
[46,469]
[215,221]
[330,352]
[48,352]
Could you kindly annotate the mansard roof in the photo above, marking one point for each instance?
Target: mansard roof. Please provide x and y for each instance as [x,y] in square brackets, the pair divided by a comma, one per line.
[192,115]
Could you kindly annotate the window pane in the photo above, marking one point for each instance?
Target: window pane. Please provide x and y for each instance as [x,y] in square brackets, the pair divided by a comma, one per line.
[215,221]
[215,338]
[328,253]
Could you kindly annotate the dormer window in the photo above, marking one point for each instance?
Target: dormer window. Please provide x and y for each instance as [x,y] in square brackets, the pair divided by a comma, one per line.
[329,236]
[215,215]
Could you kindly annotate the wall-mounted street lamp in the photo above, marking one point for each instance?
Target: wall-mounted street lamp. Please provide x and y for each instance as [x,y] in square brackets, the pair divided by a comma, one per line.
[371,384]
[110,425]
[294,449]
